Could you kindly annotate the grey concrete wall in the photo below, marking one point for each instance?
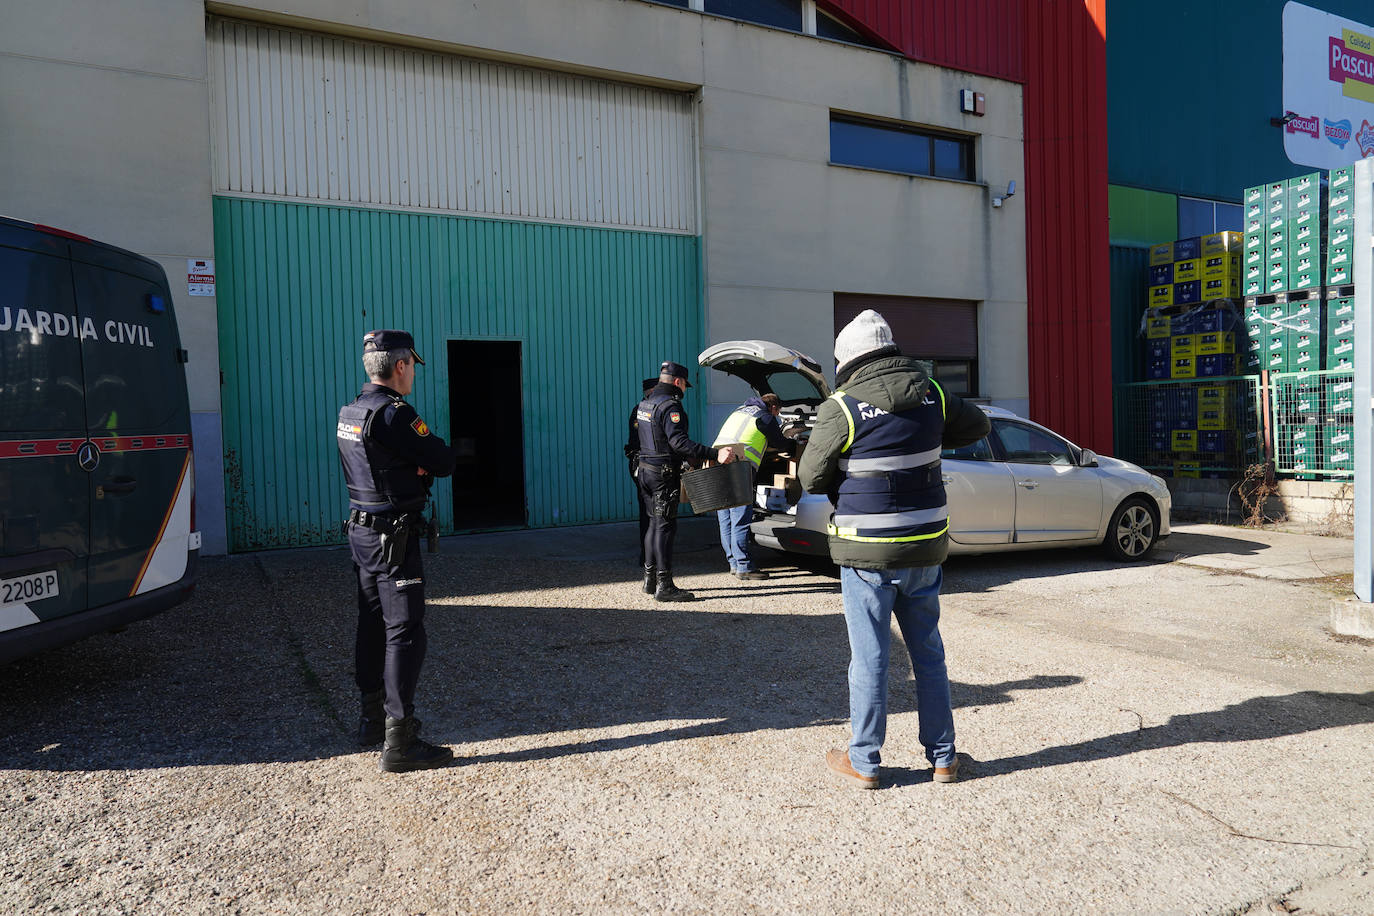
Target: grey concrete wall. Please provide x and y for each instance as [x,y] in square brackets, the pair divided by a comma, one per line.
[104,130]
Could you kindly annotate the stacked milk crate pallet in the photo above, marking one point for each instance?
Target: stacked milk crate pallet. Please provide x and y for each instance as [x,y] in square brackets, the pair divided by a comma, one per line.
[1193,340]
[1300,322]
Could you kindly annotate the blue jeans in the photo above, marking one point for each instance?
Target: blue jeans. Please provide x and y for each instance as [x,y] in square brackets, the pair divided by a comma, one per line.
[734,536]
[871,599]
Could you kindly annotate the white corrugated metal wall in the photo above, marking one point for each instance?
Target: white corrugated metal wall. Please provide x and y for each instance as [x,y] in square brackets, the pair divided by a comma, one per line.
[306,116]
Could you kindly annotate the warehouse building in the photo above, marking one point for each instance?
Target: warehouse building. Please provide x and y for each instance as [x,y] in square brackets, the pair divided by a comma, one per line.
[555,195]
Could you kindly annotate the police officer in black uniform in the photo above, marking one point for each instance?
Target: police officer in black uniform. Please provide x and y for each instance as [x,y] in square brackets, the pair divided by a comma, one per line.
[389,458]
[664,447]
[632,455]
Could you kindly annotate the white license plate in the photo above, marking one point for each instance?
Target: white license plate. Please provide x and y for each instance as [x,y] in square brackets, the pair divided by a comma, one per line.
[33,587]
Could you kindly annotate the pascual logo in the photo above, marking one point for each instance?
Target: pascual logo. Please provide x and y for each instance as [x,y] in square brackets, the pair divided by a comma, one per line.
[1349,65]
[1310,126]
[1365,137]
[1338,132]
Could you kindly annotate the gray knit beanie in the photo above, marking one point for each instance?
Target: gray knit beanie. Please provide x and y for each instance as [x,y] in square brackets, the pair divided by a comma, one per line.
[866,333]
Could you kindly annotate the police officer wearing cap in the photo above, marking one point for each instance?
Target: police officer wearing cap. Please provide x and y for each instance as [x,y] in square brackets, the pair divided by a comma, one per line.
[389,458]
[664,447]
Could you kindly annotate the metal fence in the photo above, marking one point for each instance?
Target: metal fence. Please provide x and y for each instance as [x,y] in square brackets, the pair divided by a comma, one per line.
[1313,423]
[1302,421]
[1191,427]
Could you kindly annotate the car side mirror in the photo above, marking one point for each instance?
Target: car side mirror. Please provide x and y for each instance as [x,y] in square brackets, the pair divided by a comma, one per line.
[1088,459]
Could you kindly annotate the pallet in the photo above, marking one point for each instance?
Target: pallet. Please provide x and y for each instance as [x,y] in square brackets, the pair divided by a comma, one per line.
[1340,292]
[1296,295]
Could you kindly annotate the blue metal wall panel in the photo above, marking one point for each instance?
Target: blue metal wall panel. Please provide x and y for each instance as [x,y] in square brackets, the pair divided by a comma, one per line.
[1191,88]
[596,311]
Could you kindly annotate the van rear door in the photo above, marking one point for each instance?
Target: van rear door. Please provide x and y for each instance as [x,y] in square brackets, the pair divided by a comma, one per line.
[44,491]
[137,414]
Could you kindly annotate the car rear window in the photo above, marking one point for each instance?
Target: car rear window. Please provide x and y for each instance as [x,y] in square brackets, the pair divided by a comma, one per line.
[790,386]
[40,350]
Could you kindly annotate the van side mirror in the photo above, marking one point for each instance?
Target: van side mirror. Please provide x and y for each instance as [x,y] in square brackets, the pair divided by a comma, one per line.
[1088,459]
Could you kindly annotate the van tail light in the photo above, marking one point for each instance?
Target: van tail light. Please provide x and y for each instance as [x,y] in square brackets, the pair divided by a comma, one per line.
[61,233]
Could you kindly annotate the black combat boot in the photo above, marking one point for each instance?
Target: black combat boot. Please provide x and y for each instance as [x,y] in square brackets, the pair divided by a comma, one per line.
[405,751]
[667,591]
[650,580]
[372,722]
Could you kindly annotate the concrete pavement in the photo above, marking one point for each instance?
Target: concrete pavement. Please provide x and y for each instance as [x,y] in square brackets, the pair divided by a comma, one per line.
[1163,737]
[1263,553]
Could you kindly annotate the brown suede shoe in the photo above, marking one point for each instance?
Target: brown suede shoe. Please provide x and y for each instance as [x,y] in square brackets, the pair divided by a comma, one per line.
[949,773]
[838,762]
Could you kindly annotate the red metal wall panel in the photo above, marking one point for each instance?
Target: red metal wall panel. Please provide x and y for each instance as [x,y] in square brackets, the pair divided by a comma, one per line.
[977,36]
[1068,278]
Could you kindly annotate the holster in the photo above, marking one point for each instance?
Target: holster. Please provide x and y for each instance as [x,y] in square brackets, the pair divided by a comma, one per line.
[395,541]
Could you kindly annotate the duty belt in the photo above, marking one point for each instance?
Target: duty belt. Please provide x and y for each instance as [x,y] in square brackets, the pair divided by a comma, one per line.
[382,523]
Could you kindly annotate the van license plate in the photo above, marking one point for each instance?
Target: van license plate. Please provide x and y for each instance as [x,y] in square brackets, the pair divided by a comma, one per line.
[23,589]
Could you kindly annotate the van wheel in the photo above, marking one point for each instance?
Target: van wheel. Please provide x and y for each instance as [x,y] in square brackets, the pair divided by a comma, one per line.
[1132,532]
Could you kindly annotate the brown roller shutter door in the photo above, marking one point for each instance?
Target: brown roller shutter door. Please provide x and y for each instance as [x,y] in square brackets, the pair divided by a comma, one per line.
[924,328]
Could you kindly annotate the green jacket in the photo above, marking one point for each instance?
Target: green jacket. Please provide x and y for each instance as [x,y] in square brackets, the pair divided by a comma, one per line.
[894,383]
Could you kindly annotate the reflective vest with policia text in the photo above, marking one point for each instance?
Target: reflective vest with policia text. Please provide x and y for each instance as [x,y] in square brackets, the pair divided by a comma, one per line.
[741,428]
[892,492]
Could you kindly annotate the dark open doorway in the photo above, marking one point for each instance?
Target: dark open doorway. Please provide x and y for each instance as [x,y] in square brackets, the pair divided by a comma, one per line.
[485,403]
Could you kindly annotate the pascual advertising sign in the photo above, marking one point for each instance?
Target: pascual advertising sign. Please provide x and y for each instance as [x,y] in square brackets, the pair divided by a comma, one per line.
[1328,88]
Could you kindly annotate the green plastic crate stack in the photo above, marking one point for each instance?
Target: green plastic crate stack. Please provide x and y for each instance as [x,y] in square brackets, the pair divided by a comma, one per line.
[1286,223]
[1340,223]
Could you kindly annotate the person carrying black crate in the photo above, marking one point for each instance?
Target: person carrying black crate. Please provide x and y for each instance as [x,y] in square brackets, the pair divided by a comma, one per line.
[664,446]
[632,456]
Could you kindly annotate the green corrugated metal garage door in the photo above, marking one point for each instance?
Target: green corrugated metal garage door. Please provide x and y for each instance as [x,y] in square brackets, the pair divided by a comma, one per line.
[595,310]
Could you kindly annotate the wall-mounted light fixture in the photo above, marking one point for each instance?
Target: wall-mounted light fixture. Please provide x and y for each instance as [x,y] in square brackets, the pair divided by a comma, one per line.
[1280,122]
[1011,192]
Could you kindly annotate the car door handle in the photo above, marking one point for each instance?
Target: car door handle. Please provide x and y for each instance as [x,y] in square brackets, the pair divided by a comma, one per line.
[119,485]
[1028,484]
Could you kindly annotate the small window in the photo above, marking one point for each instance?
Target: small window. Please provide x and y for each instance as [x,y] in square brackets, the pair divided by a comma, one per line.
[956,376]
[1028,445]
[781,14]
[828,27]
[1203,217]
[907,150]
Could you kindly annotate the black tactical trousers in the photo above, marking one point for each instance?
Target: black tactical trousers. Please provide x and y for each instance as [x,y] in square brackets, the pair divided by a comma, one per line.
[644,510]
[391,641]
[658,493]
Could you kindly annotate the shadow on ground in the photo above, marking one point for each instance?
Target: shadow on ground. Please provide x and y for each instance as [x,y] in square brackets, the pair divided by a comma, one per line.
[257,668]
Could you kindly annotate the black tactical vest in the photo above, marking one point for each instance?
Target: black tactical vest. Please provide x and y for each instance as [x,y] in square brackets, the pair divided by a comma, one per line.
[652,441]
[378,479]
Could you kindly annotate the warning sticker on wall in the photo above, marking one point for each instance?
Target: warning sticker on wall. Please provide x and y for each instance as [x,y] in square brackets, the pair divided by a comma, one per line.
[200,277]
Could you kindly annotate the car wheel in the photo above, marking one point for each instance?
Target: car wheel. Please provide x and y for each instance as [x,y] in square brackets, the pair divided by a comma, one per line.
[1133,530]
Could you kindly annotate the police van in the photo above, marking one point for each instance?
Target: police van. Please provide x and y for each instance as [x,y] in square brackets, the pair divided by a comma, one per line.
[97,509]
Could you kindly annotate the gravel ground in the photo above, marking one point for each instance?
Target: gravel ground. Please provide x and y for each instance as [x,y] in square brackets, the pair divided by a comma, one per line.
[1155,738]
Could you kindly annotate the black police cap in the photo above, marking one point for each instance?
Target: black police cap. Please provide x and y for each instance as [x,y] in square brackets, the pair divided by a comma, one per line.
[382,341]
[650,383]
[675,370]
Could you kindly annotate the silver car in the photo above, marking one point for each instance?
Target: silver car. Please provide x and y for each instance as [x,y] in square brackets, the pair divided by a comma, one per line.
[1021,487]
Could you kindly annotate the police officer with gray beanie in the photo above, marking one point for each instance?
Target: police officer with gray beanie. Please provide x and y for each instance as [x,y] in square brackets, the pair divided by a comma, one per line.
[389,458]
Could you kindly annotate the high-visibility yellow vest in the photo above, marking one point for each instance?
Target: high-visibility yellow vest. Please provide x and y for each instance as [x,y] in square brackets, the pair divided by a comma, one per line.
[741,428]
